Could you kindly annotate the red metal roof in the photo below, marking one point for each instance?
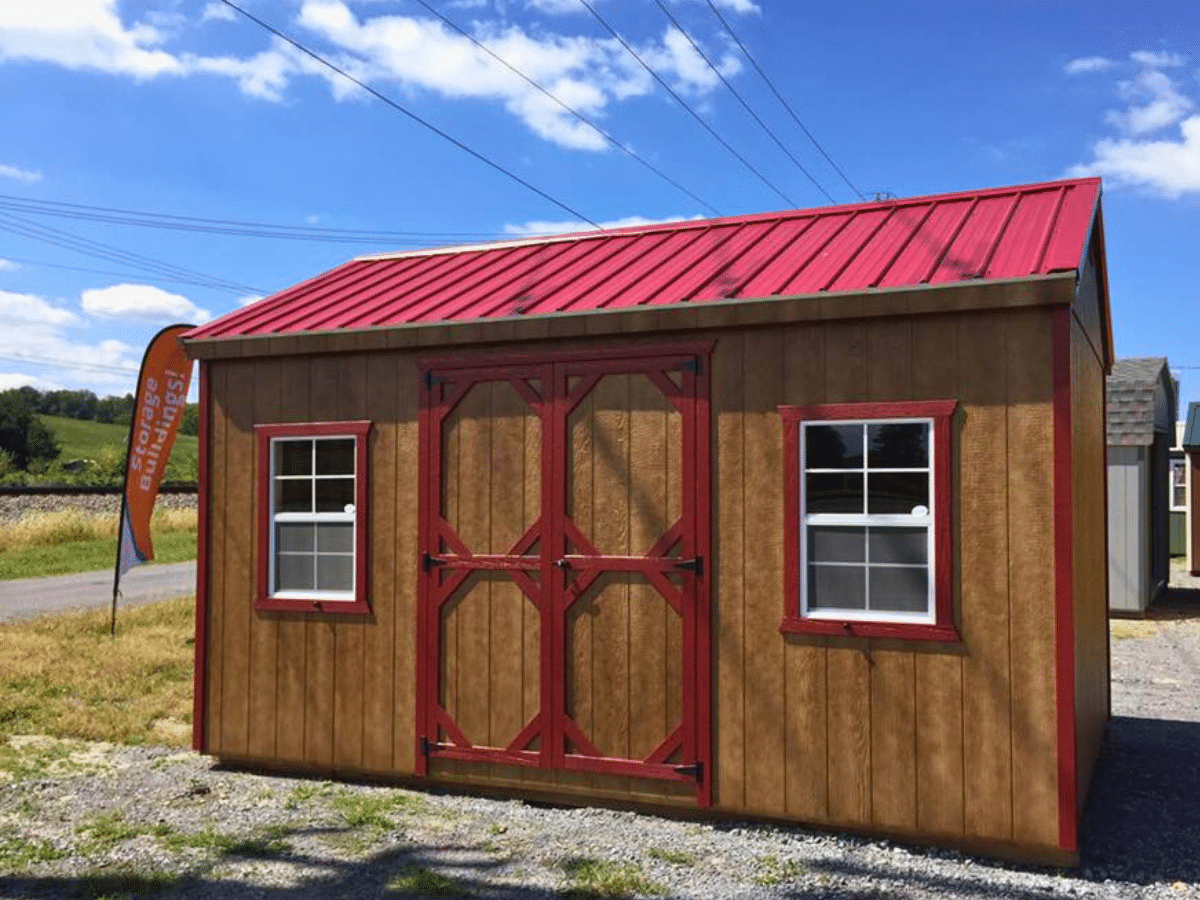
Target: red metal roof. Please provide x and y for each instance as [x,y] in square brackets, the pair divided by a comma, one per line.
[1009,232]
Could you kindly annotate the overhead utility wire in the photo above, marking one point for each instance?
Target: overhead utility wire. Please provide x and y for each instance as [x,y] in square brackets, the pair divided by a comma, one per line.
[109,253]
[695,115]
[141,218]
[41,263]
[578,115]
[50,361]
[779,97]
[741,100]
[412,115]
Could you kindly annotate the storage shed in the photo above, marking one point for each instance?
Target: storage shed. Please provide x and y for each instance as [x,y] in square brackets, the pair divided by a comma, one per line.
[1191,448]
[796,516]
[1140,414]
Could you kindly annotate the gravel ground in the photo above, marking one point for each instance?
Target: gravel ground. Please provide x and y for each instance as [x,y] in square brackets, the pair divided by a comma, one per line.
[103,821]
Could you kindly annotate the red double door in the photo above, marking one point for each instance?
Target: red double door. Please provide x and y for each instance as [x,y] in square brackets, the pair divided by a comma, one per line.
[564,616]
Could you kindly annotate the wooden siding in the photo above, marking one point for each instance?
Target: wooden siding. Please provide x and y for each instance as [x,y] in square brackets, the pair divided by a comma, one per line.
[955,741]
[1089,551]
[1128,526]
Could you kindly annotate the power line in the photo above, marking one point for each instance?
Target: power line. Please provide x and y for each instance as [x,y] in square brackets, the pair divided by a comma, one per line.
[109,253]
[741,100]
[695,115]
[172,221]
[41,263]
[779,97]
[578,115]
[50,361]
[409,113]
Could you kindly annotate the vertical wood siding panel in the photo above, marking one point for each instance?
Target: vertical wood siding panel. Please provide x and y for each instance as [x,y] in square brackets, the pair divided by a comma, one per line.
[893,678]
[983,355]
[531,507]
[938,670]
[848,679]
[673,482]
[650,430]
[728,552]
[217,472]
[264,630]
[239,538]
[350,373]
[581,509]
[609,605]
[407,395]
[291,715]
[508,521]
[379,677]
[320,633]
[762,571]
[805,757]
[1031,580]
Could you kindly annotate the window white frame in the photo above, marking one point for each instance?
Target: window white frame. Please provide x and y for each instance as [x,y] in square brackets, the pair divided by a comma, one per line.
[867,521]
[269,439]
[1178,468]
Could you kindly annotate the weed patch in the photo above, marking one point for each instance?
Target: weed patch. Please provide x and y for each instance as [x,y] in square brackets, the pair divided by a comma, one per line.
[599,878]
[774,870]
[675,857]
[17,852]
[372,810]
[421,882]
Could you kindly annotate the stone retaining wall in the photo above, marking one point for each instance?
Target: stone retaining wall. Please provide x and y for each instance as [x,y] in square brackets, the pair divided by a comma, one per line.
[14,507]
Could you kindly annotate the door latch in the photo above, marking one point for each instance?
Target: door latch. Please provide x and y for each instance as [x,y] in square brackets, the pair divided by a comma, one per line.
[695,564]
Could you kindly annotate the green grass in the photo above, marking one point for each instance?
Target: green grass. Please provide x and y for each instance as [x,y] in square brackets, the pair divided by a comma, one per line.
[88,556]
[597,878]
[418,881]
[83,439]
[675,857]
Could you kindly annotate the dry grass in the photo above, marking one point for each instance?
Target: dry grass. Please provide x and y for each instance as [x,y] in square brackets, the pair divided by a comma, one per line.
[48,529]
[63,675]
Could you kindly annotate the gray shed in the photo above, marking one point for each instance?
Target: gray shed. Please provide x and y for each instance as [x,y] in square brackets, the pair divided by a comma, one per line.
[1140,412]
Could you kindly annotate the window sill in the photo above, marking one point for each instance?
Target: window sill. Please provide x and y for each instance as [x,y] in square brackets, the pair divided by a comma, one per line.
[318,606]
[846,628]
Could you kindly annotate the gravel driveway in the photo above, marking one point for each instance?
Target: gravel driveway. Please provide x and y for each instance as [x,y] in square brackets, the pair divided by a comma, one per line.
[92,821]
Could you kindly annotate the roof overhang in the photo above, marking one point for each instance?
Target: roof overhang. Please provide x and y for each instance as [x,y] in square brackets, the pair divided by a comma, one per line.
[1056,289]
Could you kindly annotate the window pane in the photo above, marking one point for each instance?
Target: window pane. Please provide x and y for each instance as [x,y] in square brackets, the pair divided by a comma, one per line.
[294,572]
[833,446]
[898,445]
[827,544]
[293,495]
[294,537]
[293,457]
[335,457]
[335,537]
[335,494]
[335,573]
[898,493]
[899,590]
[834,493]
[900,545]
[837,587]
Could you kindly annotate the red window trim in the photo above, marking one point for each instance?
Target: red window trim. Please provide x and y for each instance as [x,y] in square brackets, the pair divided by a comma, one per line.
[941,412]
[263,435]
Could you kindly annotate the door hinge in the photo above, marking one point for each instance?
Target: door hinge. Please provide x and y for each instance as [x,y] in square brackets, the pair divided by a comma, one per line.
[432,379]
[696,770]
[695,364]
[426,746]
[695,564]
[429,561]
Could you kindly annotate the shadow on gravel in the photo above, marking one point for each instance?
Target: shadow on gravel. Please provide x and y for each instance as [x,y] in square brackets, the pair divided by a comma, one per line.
[401,872]
[1142,822]
[1176,603]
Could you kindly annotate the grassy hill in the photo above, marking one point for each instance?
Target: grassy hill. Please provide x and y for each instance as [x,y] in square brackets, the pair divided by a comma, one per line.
[83,439]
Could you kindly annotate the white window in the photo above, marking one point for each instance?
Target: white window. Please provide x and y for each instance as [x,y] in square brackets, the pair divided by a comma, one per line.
[312,516]
[867,529]
[1178,484]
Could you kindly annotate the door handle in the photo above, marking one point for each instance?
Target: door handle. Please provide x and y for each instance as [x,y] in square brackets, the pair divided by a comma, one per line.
[563,563]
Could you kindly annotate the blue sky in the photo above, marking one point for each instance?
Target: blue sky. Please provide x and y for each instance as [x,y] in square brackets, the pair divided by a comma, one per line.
[186,108]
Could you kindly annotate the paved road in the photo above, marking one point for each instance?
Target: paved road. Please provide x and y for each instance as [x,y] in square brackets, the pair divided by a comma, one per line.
[27,597]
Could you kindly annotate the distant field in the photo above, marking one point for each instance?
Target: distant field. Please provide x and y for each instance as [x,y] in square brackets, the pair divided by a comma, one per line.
[81,439]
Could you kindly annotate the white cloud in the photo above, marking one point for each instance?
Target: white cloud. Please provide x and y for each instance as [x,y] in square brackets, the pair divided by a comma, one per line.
[567,226]
[1159,60]
[250,298]
[742,7]
[19,379]
[142,302]
[7,265]
[19,174]
[678,59]
[264,76]
[1088,64]
[1167,167]
[1155,102]
[83,34]
[29,309]
[217,12]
